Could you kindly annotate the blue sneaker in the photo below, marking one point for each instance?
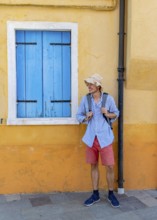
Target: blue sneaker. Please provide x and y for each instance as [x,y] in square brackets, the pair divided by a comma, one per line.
[93,199]
[113,200]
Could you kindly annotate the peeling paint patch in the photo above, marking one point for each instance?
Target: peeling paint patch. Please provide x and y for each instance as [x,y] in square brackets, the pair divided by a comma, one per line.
[142,74]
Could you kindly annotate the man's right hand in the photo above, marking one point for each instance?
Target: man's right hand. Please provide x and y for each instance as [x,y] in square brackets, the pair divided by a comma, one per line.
[89,115]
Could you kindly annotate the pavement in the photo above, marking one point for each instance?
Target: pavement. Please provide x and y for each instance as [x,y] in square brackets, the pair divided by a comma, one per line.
[134,205]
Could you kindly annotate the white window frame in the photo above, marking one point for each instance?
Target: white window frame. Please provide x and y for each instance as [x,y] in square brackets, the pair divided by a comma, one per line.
[12,26]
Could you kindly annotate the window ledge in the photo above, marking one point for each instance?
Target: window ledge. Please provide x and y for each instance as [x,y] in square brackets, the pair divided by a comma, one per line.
[42,121]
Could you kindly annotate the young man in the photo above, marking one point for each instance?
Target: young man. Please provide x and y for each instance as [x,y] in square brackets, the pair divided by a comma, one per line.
[98,136]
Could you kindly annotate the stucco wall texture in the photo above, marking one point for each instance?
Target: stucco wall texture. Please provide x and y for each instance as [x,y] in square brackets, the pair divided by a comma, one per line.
[52,158]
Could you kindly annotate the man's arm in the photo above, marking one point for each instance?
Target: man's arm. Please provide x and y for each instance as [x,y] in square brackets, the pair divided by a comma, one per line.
[113,111]
[108,114]
[81,113]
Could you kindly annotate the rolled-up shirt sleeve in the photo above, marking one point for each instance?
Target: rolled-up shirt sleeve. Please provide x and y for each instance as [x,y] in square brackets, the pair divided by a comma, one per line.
[113,108]
[81,113]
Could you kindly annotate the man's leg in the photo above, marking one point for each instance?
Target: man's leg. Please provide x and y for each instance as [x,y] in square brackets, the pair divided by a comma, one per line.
[95,176]
[95,182]
[110,182]
[110,177]
[107,158]
[92,157]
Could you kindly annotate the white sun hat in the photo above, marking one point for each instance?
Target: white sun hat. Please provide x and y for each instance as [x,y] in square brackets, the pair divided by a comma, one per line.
[94,79]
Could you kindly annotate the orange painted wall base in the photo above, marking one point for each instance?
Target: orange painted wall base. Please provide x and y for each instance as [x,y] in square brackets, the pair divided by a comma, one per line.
[40,166]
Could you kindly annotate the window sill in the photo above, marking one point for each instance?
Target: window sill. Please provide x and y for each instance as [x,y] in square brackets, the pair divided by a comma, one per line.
[42,121]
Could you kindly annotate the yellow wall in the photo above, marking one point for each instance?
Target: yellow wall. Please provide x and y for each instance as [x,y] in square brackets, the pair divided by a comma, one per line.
[141,96]
[51,158]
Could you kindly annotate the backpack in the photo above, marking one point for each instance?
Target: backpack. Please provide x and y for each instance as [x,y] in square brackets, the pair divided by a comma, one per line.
[104,98]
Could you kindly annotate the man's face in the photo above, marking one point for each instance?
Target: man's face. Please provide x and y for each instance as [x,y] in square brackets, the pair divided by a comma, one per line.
[92,88]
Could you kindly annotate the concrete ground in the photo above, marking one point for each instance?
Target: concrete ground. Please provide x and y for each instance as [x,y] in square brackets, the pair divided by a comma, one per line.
[134,205]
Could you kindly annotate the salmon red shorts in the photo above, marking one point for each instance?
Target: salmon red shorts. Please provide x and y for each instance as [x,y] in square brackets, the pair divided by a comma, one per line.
[106,154]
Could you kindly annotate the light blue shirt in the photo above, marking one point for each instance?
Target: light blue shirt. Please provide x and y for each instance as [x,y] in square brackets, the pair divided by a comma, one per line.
[97,126]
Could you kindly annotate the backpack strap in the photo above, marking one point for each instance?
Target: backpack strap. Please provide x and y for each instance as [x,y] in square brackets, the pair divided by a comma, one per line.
[104,98]
[89,102]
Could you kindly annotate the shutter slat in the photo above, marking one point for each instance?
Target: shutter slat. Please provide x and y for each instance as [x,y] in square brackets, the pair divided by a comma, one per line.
[20,71]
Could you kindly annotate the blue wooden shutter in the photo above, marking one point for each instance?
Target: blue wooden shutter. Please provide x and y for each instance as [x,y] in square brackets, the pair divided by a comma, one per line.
[29,73]
[43,74]
[57,74]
